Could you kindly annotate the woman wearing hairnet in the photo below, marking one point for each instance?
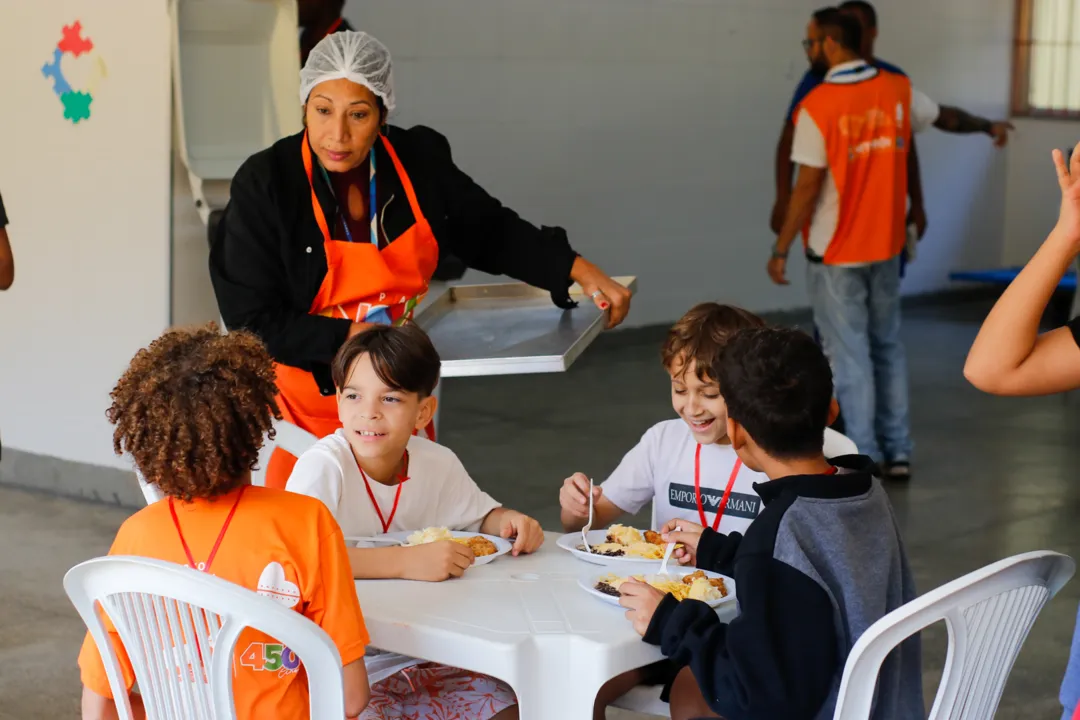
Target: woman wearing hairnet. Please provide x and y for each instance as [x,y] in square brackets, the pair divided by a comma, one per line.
[340,227]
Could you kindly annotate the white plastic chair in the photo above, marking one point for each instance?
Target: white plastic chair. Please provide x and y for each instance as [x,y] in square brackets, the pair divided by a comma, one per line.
[169,616]
[988,614]
[838,444]
[288,437]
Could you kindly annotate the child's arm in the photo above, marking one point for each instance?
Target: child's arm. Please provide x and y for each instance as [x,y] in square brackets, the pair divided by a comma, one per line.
[97,707]
[628,489]
[433,562]
[508,523]
[776,659]
[703,547]
[1009,357]
[574,503]
[357,691]
[716,551]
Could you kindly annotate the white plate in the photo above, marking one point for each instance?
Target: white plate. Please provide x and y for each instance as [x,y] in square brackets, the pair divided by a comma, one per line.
[377,541]
[502,547]
[588,584]
[571,541]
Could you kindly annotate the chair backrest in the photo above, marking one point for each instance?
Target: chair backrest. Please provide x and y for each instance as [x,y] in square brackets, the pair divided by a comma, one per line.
[287,436]
[988,614]
[180,627]
[838,444]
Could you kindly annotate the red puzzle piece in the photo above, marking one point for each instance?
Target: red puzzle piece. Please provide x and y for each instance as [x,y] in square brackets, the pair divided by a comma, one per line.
[73,41]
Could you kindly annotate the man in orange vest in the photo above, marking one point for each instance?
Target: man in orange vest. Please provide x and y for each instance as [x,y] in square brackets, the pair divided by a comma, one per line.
[951,120]
[319,18]
[851,144]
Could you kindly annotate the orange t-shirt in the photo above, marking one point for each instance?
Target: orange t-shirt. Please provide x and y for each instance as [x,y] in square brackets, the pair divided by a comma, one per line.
[282,545]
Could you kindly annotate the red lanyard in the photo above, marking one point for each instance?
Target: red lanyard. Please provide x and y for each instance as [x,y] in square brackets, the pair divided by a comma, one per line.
[402,477]
[205,567]
[727,490]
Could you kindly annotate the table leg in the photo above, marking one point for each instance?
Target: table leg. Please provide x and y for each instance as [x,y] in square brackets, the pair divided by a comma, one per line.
[560,681]
[545,698]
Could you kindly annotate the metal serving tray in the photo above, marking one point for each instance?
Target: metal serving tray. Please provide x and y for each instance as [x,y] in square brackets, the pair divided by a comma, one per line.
[508,328]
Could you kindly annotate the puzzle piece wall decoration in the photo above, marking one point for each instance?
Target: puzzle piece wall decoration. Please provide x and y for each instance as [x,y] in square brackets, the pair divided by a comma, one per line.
[76,102]
[73,41]
[52,69]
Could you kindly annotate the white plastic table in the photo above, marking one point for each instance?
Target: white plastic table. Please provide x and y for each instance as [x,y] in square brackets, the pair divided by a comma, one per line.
[523,620]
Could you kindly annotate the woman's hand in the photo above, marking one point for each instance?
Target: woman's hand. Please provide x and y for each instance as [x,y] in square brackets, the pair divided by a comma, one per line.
[608,295]
[1069,181]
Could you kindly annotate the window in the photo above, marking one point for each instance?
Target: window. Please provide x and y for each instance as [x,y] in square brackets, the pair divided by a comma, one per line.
[1046,64]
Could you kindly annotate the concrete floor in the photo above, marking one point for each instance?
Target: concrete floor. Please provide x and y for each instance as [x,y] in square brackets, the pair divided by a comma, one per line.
[994,477]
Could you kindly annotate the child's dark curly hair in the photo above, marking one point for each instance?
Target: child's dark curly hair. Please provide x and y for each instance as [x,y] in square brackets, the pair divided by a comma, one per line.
[193,409]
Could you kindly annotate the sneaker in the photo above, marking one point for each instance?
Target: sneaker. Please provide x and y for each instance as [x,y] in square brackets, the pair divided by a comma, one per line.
[899,470]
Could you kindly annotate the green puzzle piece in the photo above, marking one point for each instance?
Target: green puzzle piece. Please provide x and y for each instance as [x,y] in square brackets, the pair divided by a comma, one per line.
[76,105]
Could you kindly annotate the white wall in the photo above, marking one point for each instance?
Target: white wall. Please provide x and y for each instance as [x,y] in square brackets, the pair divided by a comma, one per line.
[647,127]
[89,207]
[1033,197]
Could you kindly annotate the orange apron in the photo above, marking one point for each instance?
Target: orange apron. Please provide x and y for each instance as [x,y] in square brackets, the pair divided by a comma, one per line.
[362,284]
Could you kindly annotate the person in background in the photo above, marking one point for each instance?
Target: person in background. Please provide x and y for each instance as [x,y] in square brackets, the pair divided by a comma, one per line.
[7,260]
[192,410]
[1010,356]
[949,119]
[319,18]
[851,142]
[821,564]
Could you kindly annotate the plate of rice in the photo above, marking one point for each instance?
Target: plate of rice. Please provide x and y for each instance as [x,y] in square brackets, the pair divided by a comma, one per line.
[486,548]
[710,588]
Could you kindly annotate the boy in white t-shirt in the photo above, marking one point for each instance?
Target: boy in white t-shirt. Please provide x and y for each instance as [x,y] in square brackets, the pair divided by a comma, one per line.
[376,476]
[686,467]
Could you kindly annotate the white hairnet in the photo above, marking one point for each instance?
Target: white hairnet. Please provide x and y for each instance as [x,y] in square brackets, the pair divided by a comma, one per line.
[354,56]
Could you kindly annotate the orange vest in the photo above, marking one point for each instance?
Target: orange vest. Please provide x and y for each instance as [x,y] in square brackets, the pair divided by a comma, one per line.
[867,129]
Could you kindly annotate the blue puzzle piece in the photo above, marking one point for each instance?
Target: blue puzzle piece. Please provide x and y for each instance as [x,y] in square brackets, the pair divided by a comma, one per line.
[76,105]
[60,85]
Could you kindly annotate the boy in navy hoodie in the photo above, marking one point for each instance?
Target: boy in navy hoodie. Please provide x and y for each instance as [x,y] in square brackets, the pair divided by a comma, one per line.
[822,562]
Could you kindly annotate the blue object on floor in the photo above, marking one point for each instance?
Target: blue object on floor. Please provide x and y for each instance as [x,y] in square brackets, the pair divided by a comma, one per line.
[1004,276]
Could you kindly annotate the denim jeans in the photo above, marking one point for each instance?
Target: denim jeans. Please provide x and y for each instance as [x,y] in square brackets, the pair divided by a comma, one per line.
[857,313]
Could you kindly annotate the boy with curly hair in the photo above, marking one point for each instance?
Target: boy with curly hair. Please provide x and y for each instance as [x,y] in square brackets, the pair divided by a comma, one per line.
[192,409]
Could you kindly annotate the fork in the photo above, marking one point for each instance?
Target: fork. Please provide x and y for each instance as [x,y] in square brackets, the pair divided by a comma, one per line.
[588,526]
[667,554]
